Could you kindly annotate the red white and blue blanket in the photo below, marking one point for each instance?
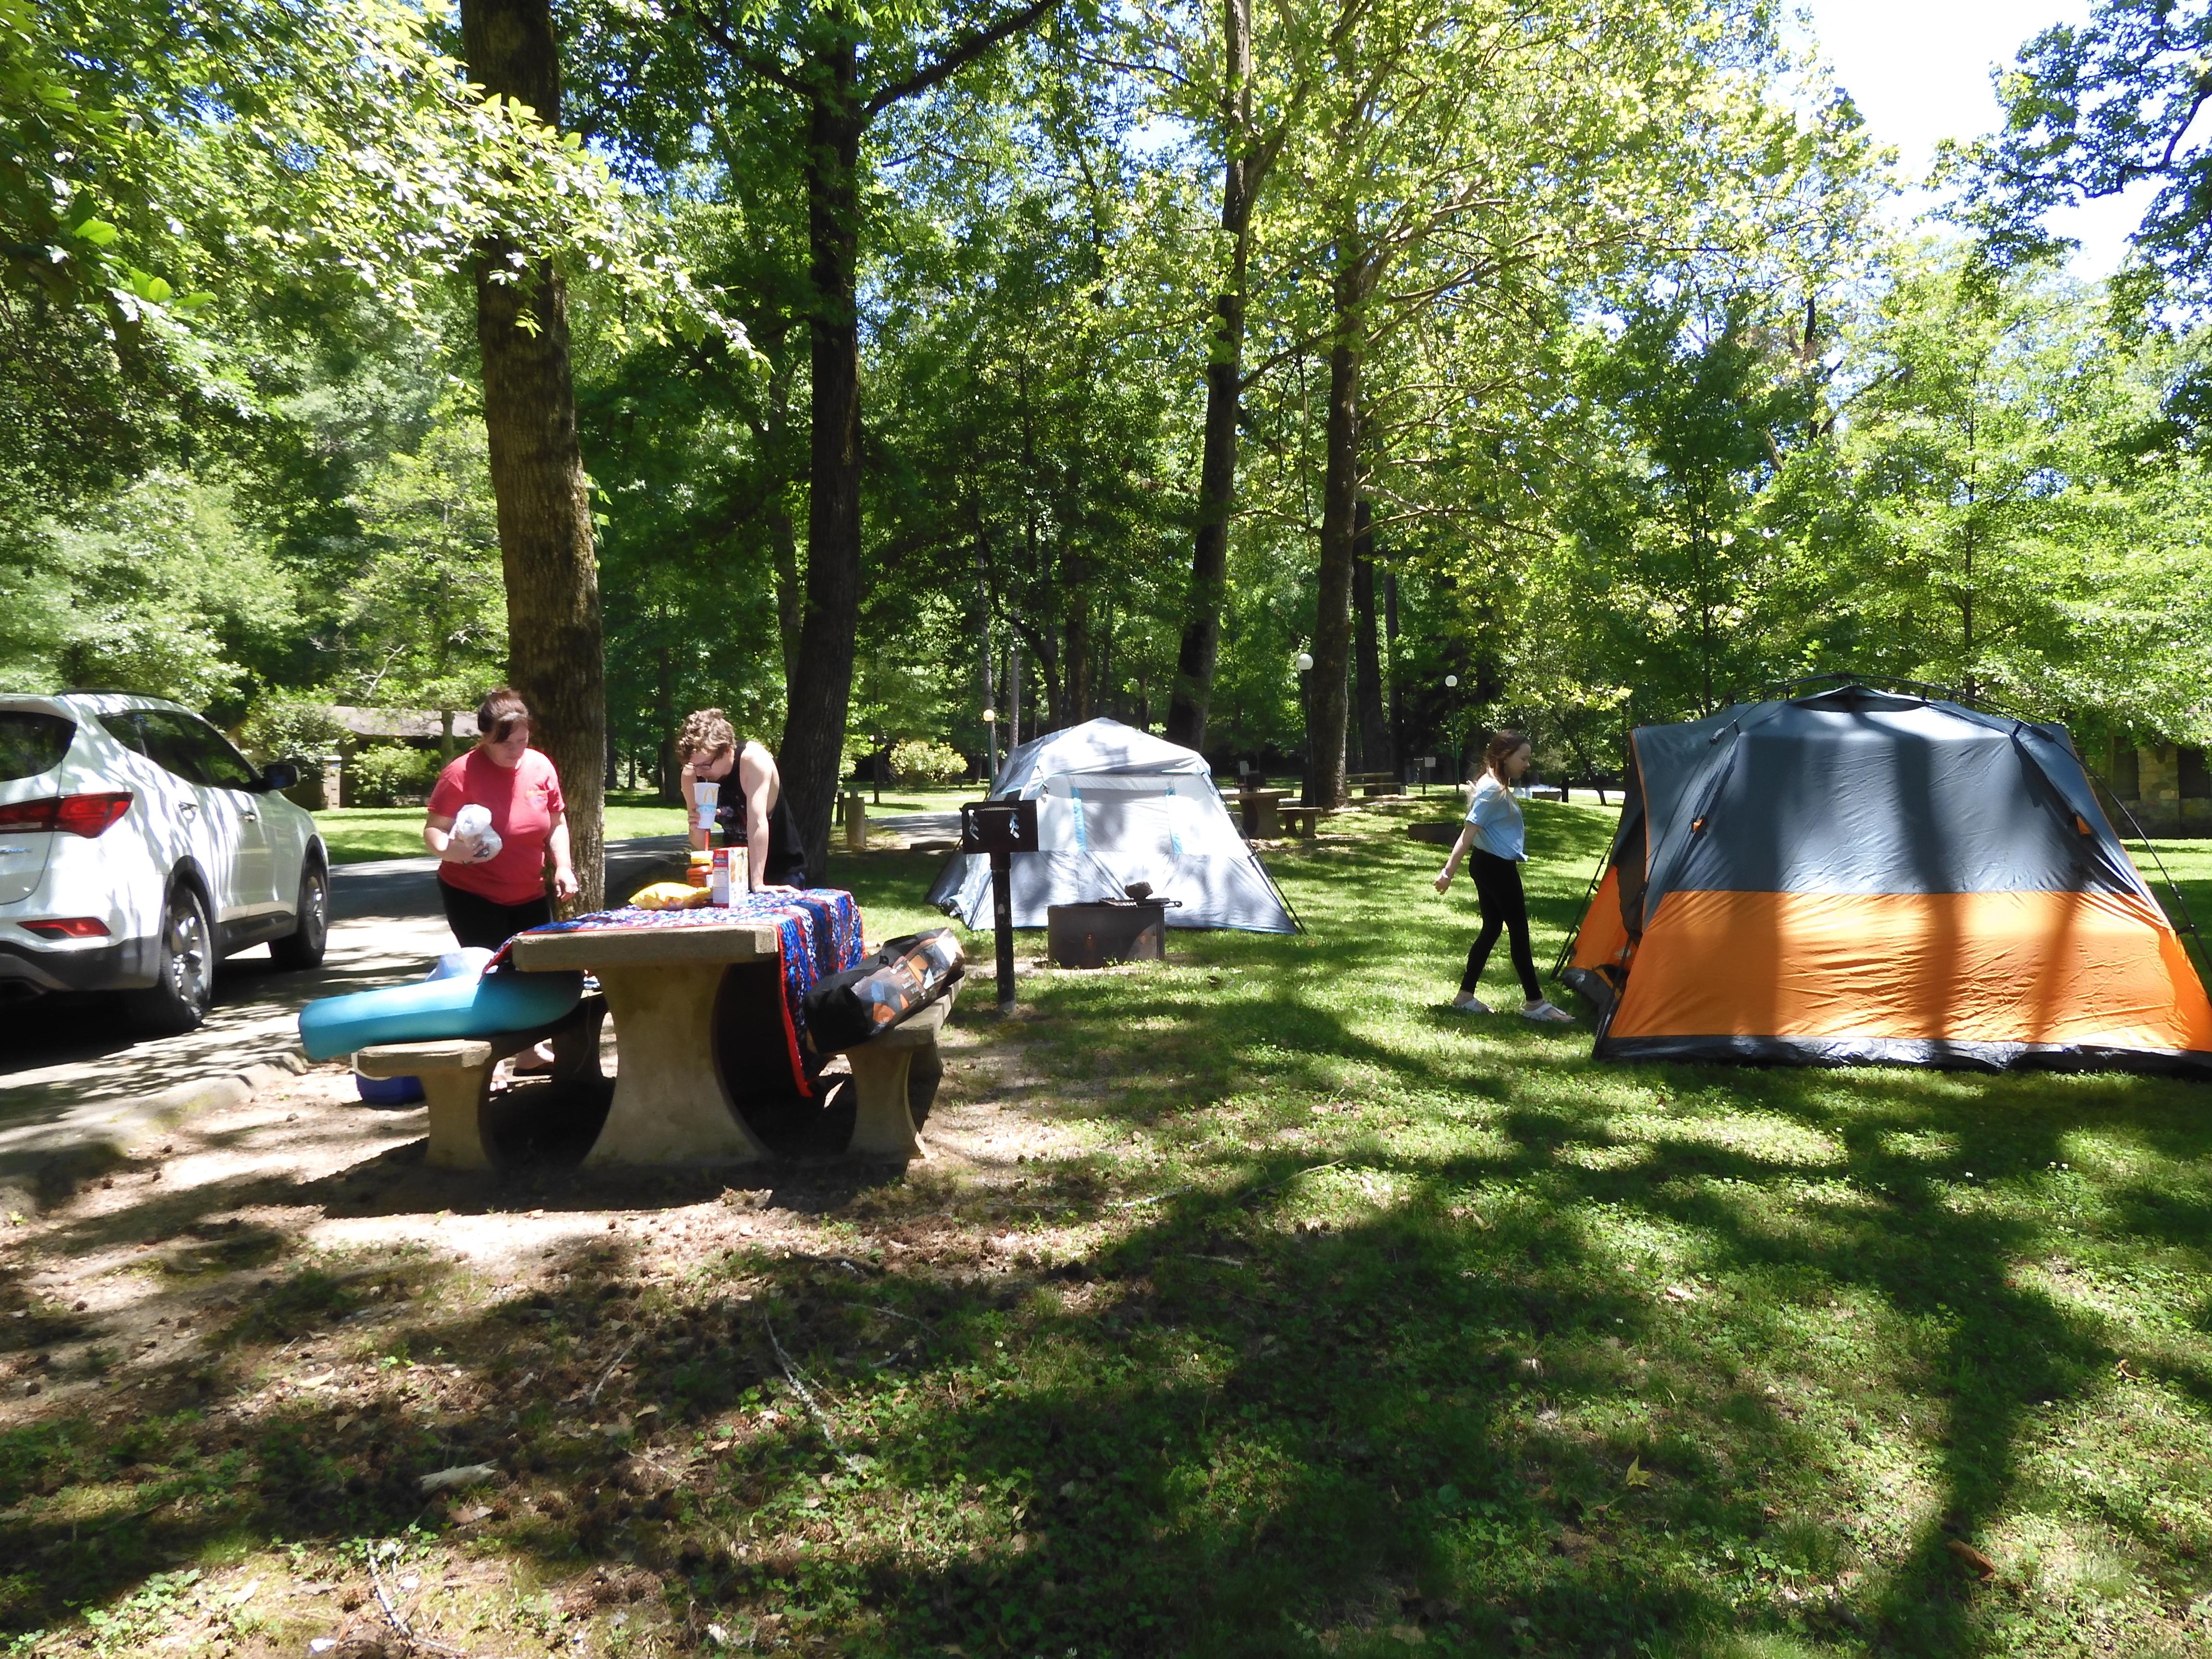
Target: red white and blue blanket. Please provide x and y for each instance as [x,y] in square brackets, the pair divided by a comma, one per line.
[818,932]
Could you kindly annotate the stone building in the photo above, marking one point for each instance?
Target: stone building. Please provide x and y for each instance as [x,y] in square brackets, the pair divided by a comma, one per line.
[2168,787]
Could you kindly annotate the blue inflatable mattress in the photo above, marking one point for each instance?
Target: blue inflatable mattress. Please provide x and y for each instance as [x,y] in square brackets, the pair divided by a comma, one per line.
[462,1006]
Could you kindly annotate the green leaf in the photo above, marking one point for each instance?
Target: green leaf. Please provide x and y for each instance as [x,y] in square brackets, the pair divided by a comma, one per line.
[98,231]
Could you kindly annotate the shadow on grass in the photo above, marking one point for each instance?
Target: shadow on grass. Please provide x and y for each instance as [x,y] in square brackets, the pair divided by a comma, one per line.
[1533,1355]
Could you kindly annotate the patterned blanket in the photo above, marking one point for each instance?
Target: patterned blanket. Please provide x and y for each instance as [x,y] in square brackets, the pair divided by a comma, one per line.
[818,932]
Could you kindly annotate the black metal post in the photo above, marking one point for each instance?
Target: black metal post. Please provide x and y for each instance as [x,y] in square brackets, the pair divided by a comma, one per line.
[1002,922]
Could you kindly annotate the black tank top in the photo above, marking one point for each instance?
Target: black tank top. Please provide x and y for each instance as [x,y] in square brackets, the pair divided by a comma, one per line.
[786,855]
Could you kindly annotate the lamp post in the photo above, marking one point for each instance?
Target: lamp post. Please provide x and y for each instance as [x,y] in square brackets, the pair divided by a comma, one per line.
[1459,738]
[991,745]
[1303,662]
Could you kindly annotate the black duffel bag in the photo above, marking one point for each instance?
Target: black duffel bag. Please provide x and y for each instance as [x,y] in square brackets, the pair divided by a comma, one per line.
[845,1010]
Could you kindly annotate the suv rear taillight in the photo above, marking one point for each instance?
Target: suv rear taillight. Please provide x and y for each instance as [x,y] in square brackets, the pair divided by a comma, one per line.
[70,927]
[90,815]
[80,815]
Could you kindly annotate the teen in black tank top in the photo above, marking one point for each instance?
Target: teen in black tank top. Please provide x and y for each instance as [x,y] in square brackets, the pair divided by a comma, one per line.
[786,857]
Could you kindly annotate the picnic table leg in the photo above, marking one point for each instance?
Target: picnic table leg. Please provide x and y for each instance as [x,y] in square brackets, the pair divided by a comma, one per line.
[456,1079]
[457,1100]
[883,1118]
[670,1106]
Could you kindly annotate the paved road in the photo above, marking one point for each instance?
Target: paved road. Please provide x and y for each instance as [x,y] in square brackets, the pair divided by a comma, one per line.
[68,1067]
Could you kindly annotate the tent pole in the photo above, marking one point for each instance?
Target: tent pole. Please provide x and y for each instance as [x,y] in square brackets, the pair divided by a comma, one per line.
[2181,904]
[1567,950]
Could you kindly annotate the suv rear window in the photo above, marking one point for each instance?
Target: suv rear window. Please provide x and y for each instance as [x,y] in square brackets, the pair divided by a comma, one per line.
[31,744]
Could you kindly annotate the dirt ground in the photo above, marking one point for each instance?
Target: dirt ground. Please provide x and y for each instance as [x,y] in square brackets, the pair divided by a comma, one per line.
[291,1260]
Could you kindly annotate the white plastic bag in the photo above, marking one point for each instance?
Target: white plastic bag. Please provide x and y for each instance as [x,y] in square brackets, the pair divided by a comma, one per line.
[473,825]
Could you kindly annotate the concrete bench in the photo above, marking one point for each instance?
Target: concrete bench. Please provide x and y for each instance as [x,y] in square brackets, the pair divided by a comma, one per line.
[1299,820]
[456,1074]
[893,1076]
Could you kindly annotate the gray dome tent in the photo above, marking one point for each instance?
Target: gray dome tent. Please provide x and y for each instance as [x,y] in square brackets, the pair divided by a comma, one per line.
[1117,805]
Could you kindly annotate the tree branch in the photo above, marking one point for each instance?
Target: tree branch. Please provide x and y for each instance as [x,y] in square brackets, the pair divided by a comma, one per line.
[2131,171]
[959,57]
[718,30]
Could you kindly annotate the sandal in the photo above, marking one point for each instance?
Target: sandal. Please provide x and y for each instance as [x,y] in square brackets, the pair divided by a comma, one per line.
[1466,1005]
[1544,1014]
[535,1061]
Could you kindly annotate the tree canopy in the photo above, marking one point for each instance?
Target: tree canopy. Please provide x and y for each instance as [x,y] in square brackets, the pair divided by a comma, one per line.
[1065,361]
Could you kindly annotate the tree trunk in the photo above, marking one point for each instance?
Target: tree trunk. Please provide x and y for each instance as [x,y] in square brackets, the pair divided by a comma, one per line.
[812,751]
[1217,470]
[1375,754]
[1390,655]
[1339,534]
[783,539]
[554,654]
[1076,645]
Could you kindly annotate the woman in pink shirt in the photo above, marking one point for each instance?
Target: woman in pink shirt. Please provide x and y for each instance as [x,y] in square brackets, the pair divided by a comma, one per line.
[492,891]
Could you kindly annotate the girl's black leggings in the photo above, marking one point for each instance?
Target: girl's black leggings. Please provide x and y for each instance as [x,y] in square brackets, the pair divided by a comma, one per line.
[1498,888]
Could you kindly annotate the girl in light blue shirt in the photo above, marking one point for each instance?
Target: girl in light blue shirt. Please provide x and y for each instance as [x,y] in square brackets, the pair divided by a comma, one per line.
[1498,840]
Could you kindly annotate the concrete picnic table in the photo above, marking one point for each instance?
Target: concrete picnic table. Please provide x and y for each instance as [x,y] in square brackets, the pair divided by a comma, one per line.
[671,1104]
[669,983]
[1257,810]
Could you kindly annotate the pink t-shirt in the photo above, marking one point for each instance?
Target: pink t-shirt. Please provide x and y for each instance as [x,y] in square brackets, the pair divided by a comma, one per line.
[522,804]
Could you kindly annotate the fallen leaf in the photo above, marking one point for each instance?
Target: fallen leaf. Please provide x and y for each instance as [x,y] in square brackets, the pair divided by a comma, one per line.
[239,1598]
[1637,1474]
[1972,1557]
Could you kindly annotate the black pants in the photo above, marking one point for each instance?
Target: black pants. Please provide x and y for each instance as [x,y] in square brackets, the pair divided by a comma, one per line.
[478,923]
[1498,888]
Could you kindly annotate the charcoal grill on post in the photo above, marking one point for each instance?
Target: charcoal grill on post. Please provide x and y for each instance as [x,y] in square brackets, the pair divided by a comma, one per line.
[1001,829]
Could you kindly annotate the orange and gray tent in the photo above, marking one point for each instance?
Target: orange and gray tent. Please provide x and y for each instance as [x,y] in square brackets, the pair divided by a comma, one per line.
[1861,878]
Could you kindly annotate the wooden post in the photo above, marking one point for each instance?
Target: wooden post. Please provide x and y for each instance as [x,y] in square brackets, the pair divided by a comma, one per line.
[1002,923]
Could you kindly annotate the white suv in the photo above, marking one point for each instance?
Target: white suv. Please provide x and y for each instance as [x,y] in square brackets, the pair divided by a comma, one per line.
[137,847]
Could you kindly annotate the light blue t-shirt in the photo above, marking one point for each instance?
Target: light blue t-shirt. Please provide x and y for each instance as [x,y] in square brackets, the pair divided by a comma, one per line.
[1496,816]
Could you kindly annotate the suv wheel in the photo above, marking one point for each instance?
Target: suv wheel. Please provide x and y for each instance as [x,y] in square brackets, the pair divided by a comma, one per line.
[303,947]
[185,965]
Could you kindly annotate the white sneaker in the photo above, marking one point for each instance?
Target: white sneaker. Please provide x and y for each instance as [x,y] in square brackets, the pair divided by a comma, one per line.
[1542,1011]
[1466,1005]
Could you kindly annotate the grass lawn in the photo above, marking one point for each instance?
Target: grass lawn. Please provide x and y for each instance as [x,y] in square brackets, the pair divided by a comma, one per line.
[1317,1319]
[357,833]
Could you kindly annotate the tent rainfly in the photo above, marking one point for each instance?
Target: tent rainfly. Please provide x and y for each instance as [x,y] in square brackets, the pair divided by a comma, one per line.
[1117,805]
[1863,878]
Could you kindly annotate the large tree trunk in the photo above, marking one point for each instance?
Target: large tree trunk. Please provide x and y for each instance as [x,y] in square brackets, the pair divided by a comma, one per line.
[1077,668]
[1332,648]
[812,752]
[1376,753]
[554,654]
[1217,470]
[783,538]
